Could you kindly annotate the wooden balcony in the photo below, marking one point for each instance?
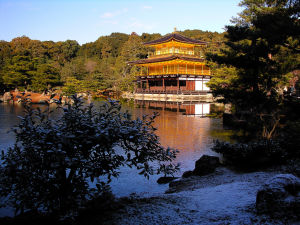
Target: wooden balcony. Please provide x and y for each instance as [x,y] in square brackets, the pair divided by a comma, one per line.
[177,69]
[179,72]
[173,90]
[166,54]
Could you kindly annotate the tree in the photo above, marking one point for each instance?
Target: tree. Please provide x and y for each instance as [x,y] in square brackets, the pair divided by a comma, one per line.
[5,55]
[18,72]
[20,46]
[69,49]
[52,162]
[263,46]
[46,76]
[5,52]
[75,68]
[72,86]
[132,50]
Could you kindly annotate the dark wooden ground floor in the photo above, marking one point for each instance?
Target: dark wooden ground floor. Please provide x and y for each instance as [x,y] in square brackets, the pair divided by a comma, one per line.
[173,85]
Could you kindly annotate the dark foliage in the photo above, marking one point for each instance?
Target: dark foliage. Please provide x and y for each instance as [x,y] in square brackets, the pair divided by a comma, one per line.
[262,51]
[290,139]
[34,218]
[54,160]
[252,155]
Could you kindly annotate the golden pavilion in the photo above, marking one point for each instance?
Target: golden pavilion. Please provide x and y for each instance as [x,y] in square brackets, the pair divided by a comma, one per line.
[175,67]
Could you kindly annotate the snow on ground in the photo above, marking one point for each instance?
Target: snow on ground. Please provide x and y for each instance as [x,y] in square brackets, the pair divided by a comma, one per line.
[221,198]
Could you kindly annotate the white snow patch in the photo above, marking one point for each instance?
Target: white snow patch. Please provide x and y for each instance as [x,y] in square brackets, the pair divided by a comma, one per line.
[231,202]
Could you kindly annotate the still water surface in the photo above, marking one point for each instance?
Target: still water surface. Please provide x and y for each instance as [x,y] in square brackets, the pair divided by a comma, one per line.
[178,127]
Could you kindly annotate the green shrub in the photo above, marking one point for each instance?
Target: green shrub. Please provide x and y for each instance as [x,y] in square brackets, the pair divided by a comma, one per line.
[252,155]
[290,138]
[53,160]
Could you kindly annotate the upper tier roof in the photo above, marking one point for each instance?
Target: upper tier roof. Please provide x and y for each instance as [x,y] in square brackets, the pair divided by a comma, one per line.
[167,58]
[176,37]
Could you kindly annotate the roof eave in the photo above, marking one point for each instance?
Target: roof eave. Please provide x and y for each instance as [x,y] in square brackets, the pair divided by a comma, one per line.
[191,43]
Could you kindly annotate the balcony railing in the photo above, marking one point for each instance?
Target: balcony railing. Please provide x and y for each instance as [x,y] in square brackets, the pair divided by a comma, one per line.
[153,55]
[169,91]
[174,72]
[164,53]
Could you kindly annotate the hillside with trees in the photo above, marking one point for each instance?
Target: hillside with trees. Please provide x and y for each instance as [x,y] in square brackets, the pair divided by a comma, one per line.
[100,65]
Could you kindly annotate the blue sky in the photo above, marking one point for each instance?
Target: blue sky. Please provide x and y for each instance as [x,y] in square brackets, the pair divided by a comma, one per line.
[86,20]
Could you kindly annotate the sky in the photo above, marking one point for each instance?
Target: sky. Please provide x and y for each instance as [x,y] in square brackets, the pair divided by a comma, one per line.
[87,20]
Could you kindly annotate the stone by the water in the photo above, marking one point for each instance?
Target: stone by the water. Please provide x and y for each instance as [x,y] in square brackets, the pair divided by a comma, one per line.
[205,165]
[7,97]
[165,180]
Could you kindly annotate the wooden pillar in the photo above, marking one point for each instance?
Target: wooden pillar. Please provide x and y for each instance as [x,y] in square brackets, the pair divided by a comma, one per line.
[177,69]
[194,69]
[173,50]
[147,70]
[163,84]
[163,69]
[177,83]
[202,68]
[186,68]
[148,85]
[167,69]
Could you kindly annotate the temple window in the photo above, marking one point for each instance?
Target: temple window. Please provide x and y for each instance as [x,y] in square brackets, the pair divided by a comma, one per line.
[182,83]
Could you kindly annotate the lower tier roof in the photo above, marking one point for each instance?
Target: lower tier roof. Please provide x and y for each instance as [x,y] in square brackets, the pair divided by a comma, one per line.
[165,59]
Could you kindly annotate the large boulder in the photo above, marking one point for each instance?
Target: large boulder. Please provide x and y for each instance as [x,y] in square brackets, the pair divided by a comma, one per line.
[279,196]
[165,180]
[205,165]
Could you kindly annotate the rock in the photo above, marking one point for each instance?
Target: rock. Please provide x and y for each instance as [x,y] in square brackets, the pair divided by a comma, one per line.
[165,180]
[187,174]
[279,196]
[7,97]
[206,165]
[82,95]
[44,102]
[228,108]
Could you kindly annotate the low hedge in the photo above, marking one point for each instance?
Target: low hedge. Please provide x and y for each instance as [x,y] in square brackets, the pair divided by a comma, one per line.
[251,155]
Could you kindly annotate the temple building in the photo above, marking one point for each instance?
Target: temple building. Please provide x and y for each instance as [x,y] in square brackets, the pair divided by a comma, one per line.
[175,67]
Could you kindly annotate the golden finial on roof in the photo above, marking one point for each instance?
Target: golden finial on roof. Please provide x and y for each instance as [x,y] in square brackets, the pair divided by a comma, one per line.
[175,30]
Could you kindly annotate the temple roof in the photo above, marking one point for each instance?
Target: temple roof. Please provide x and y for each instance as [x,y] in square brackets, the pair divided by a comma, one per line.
[176,37]
[167,58]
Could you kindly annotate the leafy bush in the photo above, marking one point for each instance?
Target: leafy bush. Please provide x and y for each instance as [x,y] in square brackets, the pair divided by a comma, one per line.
[252,155]
[290,138]
[54,159]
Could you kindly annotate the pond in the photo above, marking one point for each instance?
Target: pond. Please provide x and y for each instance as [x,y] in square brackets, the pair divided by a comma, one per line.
[184,126]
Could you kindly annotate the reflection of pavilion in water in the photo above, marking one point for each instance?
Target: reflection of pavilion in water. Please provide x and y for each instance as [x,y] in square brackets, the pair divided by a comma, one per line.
[200,109]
